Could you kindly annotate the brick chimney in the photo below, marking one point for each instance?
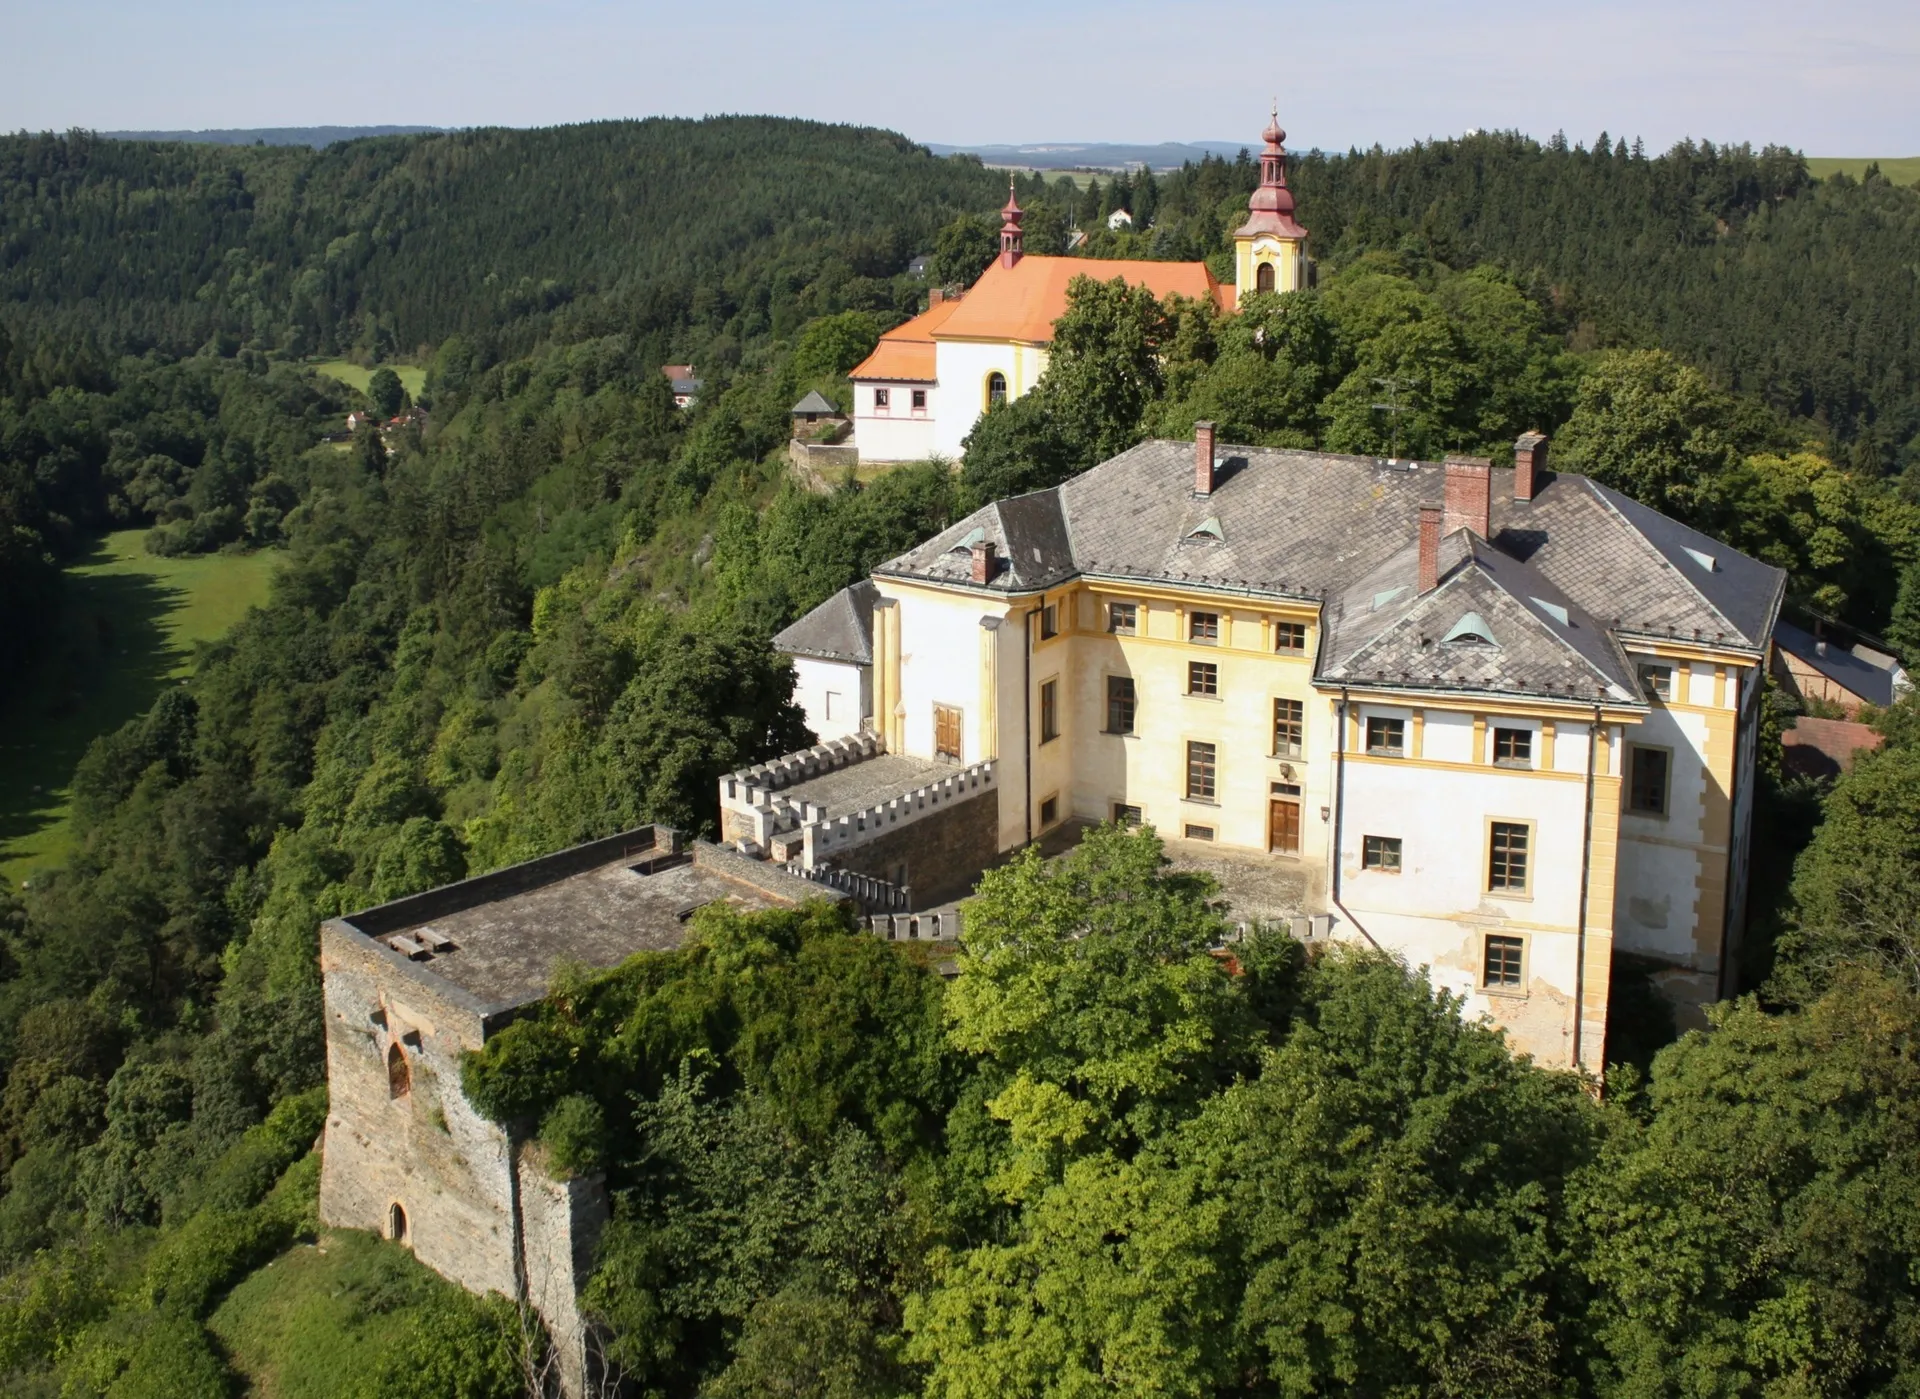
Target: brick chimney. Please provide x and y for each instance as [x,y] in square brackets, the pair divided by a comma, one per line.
[935,295]
[1529,465]
[1203,458]
[984,562]
[1429,548]
[1469,495]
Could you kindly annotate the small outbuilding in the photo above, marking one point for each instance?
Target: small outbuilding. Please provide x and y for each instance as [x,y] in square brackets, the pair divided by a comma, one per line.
[1827,669]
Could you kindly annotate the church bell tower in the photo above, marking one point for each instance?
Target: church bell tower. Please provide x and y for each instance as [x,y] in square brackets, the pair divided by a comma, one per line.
[1270,249]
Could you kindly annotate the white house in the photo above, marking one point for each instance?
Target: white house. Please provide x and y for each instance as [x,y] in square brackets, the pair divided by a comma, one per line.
[832,651]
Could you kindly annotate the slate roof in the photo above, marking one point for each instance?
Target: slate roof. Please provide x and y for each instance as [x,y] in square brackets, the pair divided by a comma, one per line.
[1325,528]
[839,629]
[1839,665]
[816,402]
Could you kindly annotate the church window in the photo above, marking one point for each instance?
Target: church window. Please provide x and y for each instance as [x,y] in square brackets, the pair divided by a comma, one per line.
[1263,278]
[399,1074]
[996,389]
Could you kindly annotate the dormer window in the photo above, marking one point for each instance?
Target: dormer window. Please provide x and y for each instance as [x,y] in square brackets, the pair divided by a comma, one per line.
[1470,630]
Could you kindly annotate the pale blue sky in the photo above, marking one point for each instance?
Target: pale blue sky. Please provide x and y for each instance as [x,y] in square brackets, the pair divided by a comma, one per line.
[1834,78]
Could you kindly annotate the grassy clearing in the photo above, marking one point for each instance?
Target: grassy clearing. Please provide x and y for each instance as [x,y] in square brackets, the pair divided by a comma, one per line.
[412,377]
[1902,170]
[131,624]
[313,1323]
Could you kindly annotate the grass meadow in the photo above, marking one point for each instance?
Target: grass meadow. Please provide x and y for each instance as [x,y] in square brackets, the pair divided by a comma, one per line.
[131,623]
[1902,170]
[412,377]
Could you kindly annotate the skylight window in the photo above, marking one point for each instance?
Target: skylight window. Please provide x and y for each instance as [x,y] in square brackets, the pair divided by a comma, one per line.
[1553,610]
[1705,560]
[1470,630]
[1380,600]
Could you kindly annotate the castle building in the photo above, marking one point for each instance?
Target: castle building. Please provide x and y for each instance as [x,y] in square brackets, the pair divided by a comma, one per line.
[1499,722]
[927,382]
[411,986]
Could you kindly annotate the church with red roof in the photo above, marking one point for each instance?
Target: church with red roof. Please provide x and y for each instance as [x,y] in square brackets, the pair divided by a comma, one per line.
[927,382]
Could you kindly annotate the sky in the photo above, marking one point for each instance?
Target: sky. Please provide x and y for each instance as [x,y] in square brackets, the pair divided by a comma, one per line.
[1835,78]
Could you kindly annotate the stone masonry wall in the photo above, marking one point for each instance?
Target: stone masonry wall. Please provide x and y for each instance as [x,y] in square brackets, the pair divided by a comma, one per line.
[943,851]
[562,1221]
[427,1150]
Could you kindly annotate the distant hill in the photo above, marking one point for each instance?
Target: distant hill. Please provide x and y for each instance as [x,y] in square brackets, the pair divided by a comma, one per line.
[1095,155]
[1901,170]
[315,136]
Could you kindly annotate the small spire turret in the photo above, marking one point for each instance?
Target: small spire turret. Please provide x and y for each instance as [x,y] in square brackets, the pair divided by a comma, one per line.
[1010,236]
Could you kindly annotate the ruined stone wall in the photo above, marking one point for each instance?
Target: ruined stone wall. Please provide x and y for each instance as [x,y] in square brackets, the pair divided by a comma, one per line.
[425,1150]
[562,1221]
[942,852]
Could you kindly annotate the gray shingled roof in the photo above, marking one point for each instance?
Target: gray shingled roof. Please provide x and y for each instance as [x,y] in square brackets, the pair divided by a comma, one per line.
[839,629]
[1315,525]
[815,402]
[1858,677]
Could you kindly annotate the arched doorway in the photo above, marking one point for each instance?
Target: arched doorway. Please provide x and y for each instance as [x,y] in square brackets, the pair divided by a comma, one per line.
[399,1072]
[996,389]
[1263,277]
[396,1223]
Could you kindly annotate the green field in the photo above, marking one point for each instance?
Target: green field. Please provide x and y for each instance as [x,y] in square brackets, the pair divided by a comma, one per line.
[412,377]
[1904,170]
[131,624]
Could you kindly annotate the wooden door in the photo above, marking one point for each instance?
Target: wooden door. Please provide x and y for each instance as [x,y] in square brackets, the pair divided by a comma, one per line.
[946,732]
[1283,827]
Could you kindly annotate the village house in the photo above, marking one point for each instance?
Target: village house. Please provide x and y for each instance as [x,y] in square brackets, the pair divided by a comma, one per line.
[686,388]
[1499,722]
[927,382]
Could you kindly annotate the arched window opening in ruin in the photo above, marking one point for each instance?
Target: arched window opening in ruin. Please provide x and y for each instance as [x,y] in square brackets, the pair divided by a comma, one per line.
[396,1223]
[399,1073]
[1263,279]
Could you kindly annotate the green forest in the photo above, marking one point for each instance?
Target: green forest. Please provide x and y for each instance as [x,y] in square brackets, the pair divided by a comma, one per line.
[1097,1160]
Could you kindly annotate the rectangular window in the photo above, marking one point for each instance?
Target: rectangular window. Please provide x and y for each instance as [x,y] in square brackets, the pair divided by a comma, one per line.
[1203,678]
[1647,780]
[1507,857]
[919,400]
[1201,772]
[1380,853]
[1204,627]
[1289,727]
[1386,736]
[1657,680]
[1124,815]
[1123,618]
[1119,704]
[1049,711]
[1513,747]
[1290,637]
[880,400]
[1502,964]
[1199,833]
[946,732]
[1049,622]
[1049,811]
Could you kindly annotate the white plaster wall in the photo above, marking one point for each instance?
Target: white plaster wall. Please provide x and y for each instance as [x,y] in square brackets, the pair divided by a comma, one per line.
[1656,893]
[963,366]
[899,433]
[1570,744]
[851,687]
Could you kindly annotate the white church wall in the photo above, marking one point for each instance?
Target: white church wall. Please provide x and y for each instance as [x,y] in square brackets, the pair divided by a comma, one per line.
[897,432]
[963,367]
